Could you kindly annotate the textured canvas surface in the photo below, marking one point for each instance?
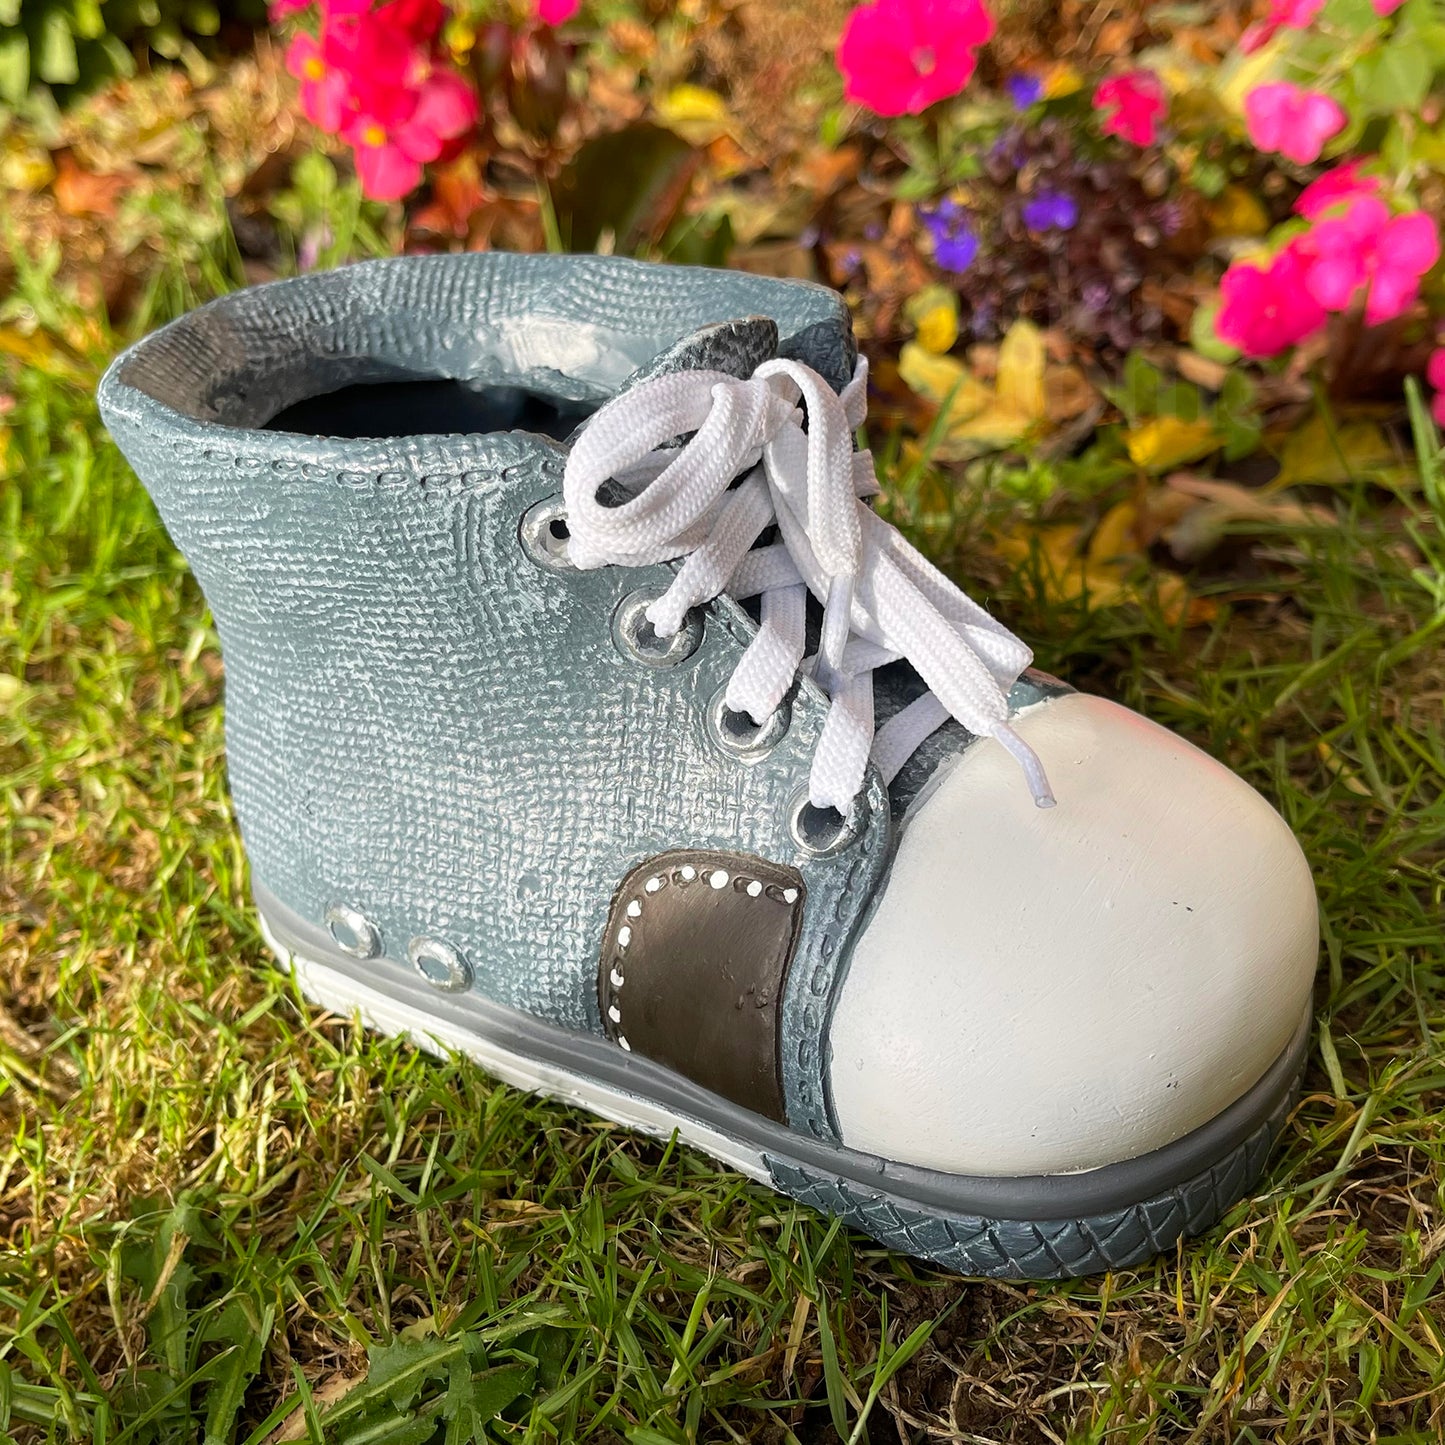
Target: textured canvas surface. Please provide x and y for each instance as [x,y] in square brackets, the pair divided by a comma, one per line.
[422,723]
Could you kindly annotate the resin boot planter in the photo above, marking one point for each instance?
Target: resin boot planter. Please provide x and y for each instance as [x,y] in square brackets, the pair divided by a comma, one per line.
[705,803]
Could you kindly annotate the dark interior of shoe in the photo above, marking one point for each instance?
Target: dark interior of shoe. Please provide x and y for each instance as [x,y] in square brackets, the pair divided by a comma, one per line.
[429,408]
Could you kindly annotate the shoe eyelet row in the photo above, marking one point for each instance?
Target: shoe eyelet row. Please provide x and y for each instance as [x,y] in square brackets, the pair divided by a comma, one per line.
[824,832]
[820,833]
[353,932]
[739,736]
[544,535]
[434,959]
[635,638]
[440,964]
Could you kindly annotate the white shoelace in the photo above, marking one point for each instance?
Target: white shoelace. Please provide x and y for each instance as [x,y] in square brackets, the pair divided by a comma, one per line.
[882,600]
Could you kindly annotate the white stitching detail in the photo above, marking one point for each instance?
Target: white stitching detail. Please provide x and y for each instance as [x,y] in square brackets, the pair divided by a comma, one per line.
[717,878]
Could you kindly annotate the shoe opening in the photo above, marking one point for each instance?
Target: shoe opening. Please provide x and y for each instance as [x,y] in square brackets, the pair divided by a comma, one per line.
[429,408]
[443,345]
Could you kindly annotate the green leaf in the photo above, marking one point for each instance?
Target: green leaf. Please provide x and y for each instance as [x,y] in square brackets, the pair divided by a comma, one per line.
[628,185]
[1393,78]
[474,1399]
[14,66]
[832,1373]
[1206,340]
[54,45]
[1352,15]
[393,1185]
[249,1330]
[400,1369]
[9,12]
[202,18]
[87,22]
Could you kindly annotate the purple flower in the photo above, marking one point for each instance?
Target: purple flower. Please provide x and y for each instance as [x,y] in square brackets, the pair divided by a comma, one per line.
[954,243]
[1024,88]
[956,252]
[1051,211]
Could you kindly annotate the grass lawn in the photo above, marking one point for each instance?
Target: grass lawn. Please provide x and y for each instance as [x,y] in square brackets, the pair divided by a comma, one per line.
[228,1217]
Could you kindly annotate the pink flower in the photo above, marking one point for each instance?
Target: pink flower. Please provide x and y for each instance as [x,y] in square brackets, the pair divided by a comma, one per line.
[1337,187]
[278,10]
[325,92]
[389,159]
[1283,15]
[1384,8]
[1294,122]
[898,57]
[1132,105]
[1435,375]
[557,12]
[1369,248]
[375,78]
[1267,309]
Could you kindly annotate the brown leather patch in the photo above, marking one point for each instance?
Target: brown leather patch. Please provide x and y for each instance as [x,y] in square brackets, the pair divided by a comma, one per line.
[693,963]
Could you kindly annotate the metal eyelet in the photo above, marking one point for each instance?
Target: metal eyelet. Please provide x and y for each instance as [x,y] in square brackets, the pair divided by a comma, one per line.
[440,964]
[824,832]
[737,734]
[543,533]
[353,932]
[634,637]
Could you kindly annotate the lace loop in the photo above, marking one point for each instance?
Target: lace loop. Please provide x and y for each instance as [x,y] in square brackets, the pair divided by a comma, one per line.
[788,436]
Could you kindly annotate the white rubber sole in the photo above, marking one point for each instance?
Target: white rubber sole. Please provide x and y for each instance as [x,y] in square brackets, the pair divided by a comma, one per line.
[338,994]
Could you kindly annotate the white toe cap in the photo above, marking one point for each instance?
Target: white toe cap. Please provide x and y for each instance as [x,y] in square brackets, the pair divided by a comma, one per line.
[1046,990]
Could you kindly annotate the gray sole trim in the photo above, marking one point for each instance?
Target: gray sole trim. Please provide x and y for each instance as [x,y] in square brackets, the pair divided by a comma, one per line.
[1043,1226]
[1039,1249]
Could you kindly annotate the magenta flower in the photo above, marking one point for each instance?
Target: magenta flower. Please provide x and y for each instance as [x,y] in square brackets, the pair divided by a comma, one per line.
[1385,8]
[898,57]
[1132,105]
[557,12]
[1337,187]
[279,10]
[1292,121]
[389,159]
[1283,15]
[1267,309]
[1369,249]
[325,91]
[376,78]
[1435,375]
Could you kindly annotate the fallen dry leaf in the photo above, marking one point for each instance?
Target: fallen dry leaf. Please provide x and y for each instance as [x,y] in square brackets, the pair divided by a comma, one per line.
[1320,455]
[1222,506]
[80,192]
[1164,442]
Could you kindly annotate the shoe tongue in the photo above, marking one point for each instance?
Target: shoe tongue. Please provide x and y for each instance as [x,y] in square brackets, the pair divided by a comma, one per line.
[736,347]
[740,346]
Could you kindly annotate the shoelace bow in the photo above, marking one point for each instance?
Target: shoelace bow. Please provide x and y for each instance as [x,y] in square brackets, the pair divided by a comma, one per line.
[882,600]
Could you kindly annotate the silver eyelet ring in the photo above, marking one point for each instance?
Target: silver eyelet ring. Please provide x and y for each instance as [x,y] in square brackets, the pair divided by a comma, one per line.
[821,832]
[353,932]
[440,964]
[633,635]
[543,534]
[737,734]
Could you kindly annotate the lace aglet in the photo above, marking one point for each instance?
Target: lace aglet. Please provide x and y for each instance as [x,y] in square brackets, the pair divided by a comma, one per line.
[1029,761]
